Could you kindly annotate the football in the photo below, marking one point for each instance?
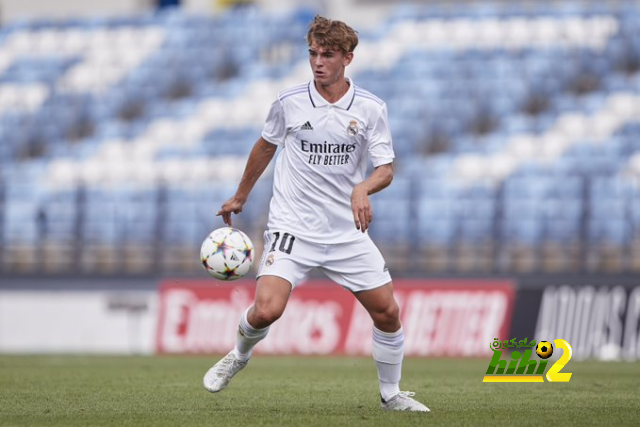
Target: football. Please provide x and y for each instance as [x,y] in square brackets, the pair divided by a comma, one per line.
[227,254]
[544,349]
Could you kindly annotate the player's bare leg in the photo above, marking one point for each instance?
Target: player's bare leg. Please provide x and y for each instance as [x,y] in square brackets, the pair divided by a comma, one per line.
[388,348]
[272,294]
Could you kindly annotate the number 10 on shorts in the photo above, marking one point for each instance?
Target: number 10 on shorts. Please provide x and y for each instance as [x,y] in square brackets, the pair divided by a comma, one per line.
[286,244]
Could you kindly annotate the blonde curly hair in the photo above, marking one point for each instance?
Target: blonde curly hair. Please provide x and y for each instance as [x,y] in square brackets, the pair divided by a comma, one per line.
[332,34]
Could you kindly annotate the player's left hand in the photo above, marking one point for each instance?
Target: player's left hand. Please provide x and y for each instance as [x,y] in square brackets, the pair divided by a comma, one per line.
[361,208]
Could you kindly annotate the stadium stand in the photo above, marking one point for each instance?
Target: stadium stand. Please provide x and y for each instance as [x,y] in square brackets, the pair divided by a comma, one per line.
[515,127]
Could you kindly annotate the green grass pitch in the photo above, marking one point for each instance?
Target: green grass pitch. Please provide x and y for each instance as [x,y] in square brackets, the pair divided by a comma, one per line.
[301,391]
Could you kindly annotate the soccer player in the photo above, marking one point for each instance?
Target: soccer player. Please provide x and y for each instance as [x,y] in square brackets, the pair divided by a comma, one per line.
[319,214]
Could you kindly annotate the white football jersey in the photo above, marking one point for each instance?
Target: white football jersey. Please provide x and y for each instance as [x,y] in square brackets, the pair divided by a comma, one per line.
[325,152]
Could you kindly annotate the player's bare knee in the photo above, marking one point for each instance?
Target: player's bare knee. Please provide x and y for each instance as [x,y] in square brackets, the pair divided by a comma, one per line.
[388,318]
[394,312]
[264,315]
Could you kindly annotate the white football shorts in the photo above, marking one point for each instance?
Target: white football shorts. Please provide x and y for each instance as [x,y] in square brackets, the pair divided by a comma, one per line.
[357,265]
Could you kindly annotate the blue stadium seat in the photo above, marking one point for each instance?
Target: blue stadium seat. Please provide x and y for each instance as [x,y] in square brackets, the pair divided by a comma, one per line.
[443,102]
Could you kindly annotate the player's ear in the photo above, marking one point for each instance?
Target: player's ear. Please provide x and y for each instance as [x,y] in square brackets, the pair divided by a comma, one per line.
[347,59]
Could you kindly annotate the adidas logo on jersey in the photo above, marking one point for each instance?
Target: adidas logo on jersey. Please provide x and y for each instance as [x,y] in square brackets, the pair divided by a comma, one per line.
[306,126]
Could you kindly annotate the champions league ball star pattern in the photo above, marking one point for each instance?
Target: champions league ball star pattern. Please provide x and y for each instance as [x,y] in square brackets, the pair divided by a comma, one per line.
[227,254]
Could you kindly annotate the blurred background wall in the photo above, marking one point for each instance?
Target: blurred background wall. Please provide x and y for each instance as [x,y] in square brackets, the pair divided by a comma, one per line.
[125,124]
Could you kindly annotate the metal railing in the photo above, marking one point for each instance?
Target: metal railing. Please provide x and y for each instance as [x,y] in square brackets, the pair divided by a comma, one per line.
[163,251]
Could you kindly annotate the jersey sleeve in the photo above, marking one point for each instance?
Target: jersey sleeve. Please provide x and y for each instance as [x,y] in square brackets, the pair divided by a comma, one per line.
[380,143]
[274,129]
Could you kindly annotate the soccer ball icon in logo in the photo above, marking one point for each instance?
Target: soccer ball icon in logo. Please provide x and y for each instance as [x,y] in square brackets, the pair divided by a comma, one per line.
[544,349]
[227,253]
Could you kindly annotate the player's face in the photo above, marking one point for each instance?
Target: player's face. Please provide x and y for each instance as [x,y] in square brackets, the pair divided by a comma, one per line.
[328,64]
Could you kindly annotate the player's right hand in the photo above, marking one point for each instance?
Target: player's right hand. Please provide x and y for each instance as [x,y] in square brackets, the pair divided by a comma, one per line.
[233,205]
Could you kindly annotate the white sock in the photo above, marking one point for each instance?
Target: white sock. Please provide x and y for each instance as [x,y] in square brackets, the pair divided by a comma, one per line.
[247,338]
[388,352]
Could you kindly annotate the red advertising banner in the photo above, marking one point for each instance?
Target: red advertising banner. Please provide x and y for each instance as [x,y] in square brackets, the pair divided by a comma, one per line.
[452,318]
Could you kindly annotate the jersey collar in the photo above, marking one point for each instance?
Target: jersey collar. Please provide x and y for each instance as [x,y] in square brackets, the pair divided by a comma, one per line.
[345,102]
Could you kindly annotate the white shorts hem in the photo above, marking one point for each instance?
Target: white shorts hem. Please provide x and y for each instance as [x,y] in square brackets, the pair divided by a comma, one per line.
[277,275]
[372,287]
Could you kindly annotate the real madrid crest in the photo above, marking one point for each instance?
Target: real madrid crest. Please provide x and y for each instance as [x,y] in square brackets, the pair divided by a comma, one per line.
[352,129]
[270,259]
